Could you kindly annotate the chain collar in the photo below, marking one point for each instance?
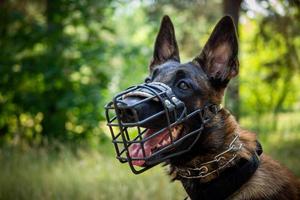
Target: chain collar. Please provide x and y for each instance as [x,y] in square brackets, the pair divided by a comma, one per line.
[219,161]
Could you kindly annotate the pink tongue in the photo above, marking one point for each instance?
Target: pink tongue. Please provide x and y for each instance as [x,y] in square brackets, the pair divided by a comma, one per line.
[136,151]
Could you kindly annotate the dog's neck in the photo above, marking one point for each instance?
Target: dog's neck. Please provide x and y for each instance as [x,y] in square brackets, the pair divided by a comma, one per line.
[221,133]
[209,170]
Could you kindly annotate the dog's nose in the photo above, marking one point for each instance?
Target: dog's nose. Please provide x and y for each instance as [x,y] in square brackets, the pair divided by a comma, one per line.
[128,115]
[126,112]
[134,109]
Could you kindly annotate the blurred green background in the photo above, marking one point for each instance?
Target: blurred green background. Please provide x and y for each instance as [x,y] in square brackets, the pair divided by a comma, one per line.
[62,60]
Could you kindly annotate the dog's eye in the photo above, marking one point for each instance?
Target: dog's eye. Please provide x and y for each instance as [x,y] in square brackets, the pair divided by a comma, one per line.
[183,85]
[147,80]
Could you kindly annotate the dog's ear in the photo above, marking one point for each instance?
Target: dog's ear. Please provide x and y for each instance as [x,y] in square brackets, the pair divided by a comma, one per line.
[165,47]
[219,58]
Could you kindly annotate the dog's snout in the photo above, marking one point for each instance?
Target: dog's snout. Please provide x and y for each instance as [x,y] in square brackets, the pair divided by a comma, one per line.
[126,114]
[129,113]
[127,109]
[134,109]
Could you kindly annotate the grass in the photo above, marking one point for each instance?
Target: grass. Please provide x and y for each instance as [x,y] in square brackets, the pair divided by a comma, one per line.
[86,175]
[90,174]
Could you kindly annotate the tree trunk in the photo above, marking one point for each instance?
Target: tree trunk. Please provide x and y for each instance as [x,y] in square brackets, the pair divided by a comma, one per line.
[232,98]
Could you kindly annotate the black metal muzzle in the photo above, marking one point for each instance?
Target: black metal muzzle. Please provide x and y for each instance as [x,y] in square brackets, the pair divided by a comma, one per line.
[147,125]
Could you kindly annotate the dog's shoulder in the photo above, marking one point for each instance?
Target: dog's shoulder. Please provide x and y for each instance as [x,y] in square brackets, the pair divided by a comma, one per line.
[270,181]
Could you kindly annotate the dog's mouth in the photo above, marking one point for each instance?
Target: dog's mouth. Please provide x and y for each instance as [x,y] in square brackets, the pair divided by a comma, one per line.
[138,152]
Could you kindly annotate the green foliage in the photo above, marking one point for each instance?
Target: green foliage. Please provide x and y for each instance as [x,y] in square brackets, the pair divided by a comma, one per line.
[51,79]
[270,59]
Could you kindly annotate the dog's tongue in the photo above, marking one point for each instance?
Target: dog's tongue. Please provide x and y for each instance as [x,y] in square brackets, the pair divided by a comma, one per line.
[136,151]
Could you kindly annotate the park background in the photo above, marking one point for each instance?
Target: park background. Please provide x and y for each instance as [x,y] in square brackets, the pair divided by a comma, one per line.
[61,61]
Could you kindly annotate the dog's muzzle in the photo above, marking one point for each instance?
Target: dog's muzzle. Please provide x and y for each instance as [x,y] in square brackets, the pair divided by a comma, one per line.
[147,124]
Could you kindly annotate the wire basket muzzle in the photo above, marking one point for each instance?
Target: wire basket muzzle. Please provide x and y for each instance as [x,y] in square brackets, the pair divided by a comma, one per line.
[145,114]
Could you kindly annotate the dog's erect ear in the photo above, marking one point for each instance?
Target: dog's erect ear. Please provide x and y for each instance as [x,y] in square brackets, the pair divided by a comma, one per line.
[219,56]
[165,47]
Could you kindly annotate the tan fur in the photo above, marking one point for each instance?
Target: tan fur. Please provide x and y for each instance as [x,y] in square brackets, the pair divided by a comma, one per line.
[270,181]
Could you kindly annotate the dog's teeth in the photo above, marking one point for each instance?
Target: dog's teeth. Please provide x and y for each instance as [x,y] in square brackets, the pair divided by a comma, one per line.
[169,140]
[174,134]
[164,142]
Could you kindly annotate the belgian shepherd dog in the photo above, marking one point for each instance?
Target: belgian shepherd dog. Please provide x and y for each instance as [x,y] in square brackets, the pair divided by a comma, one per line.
[226,161]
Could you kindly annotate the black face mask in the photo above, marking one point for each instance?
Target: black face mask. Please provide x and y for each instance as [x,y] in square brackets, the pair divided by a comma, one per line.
[148,123]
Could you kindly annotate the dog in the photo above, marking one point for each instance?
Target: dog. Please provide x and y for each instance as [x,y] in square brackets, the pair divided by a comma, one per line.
[225,161]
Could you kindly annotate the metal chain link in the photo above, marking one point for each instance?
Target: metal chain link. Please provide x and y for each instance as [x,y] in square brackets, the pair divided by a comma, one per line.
[203,170]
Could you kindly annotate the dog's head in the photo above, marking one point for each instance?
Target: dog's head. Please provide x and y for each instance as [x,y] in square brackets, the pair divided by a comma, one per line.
[196,84]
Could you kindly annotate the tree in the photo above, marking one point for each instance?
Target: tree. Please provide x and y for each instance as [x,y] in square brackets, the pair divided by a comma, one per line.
[232,100]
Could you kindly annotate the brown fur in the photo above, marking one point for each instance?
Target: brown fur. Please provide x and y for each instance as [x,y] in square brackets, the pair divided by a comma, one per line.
[270,181]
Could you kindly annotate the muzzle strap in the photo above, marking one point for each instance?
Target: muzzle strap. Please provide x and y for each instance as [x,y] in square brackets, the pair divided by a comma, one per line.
[160,91]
